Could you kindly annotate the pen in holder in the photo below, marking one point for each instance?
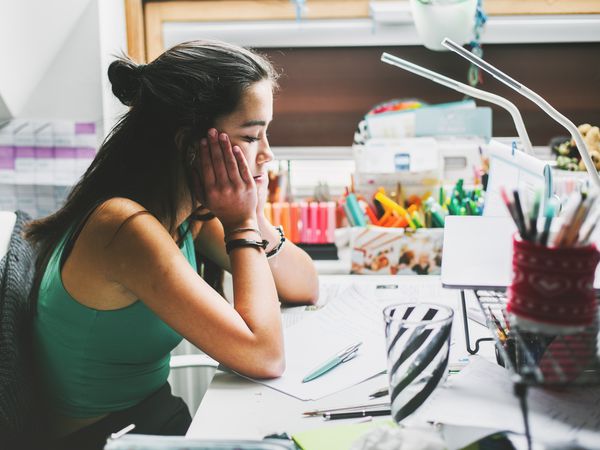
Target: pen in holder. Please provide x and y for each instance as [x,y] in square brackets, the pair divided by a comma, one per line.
[552,287]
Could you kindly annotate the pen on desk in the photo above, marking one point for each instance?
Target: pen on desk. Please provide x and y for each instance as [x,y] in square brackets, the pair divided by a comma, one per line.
[341,357]
[355,414]
[379,393]
[362,407]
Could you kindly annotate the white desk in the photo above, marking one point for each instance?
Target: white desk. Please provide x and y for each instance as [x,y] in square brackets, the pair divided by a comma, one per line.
[236,408]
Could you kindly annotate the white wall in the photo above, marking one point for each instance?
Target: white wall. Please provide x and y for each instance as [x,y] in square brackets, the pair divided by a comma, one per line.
[54,56]
[113,42]
[70,86]
[31,34]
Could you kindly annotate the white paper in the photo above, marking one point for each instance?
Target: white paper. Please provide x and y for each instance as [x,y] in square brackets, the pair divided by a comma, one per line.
[482,395]
[347,319]
[351,313]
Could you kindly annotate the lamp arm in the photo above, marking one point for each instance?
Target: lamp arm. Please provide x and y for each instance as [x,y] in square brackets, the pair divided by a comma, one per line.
[535,98]
[571,128]
[468,90]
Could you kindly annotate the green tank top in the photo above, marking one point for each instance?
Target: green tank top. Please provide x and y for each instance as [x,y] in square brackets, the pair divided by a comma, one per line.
[96,362]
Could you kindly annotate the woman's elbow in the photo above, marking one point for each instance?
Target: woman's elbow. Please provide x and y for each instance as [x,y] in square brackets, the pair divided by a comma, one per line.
[308,296]
[314,297]
[272,367]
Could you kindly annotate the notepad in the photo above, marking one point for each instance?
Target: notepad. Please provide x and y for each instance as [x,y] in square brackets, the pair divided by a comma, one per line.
[346,319]
[514,169]
[339,437]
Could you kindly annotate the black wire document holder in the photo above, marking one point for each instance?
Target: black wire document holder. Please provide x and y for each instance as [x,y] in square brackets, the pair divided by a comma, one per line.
[535,358]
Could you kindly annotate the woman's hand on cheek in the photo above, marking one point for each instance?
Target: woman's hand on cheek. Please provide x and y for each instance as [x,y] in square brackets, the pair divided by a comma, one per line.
[262,193]
[229,189]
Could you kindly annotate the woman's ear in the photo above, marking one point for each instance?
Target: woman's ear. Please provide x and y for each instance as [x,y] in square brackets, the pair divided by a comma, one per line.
[187,145]
[182,138]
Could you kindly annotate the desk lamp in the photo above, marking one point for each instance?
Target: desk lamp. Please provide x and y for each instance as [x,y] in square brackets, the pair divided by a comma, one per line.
[465,89]
[535,98]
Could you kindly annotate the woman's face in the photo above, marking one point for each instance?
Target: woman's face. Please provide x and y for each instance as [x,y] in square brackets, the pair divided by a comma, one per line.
[247,127]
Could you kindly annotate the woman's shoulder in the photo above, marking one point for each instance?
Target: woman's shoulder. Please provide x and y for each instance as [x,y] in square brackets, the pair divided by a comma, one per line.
[119,207]
[114,214]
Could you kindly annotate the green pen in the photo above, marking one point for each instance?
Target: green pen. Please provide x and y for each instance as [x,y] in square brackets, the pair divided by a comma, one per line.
[415,218]
[341,357]
[549,215]
[438,219]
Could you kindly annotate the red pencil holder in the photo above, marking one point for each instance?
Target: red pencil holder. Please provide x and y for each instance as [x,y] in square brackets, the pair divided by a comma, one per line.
[553,285]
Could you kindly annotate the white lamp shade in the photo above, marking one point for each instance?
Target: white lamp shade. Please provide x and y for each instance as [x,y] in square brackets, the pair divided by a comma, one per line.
[437,20]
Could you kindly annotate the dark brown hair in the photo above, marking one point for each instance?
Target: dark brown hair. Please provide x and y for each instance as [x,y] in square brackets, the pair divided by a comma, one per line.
[173,102]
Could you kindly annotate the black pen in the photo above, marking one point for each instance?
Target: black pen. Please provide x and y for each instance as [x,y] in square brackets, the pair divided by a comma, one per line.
[379,393]
[533,216]
[362,407]
[354,415]
[520,216]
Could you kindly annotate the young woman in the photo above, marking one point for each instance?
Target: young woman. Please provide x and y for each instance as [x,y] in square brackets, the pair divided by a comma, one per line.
[118,284]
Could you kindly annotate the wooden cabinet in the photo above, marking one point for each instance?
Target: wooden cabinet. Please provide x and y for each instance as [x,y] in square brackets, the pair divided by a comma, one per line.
[145,18]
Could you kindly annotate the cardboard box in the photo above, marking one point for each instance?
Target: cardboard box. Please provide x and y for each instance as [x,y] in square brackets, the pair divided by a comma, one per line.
[396,251]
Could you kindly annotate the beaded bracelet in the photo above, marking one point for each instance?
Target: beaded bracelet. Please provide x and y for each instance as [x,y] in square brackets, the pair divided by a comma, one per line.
[277,249]
[241,230]
[237,243]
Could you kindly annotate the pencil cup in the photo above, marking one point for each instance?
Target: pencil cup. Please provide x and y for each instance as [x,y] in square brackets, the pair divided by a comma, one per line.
[552,288]
[418,344]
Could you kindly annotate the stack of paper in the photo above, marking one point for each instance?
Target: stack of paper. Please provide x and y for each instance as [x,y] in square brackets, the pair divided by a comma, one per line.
[482,395]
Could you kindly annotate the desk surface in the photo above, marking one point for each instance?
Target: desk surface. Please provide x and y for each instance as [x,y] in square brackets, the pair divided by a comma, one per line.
[236,408]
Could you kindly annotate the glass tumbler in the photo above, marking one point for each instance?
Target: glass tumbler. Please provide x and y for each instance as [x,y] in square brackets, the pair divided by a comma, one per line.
[417,338]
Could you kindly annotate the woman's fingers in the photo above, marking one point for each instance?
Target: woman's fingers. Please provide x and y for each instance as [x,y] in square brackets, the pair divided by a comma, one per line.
[229,160]
[242,164]
[216,155]
[206,165]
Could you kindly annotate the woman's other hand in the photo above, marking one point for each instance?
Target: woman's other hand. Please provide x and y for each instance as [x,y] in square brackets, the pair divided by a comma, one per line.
[262,193]
[229,189]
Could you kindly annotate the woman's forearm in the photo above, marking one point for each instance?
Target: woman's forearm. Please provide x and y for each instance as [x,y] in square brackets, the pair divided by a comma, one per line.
[293,270]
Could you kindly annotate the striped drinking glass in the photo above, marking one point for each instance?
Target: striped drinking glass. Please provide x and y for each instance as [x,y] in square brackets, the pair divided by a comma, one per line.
[418,344]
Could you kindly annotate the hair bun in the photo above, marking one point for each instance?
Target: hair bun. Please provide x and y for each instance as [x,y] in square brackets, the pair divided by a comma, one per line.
[125,77]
